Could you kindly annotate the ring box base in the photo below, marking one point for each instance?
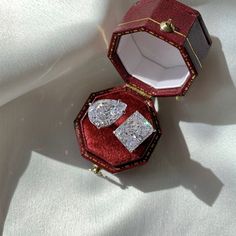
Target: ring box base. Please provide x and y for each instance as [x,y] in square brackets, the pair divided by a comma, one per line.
[101,147]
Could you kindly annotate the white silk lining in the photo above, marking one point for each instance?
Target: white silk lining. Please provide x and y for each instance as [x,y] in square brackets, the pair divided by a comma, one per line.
[152,60]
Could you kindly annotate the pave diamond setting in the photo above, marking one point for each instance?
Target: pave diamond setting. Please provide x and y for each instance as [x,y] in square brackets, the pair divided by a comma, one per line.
[134,131]
[105,112]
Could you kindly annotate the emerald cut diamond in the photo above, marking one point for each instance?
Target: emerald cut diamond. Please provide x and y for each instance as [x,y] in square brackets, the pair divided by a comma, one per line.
[134,131]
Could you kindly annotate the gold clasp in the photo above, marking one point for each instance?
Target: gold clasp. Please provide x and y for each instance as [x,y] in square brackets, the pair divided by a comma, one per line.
[96,170]
[167,26]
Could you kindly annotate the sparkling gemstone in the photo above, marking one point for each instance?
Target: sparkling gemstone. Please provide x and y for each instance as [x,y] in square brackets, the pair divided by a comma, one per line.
[134,131]
[103,113]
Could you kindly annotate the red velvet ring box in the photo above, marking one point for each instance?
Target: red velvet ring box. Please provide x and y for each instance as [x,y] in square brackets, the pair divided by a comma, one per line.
[158,50]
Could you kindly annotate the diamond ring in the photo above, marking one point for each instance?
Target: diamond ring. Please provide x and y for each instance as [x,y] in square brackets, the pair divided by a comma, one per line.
[105,112]
[134,131]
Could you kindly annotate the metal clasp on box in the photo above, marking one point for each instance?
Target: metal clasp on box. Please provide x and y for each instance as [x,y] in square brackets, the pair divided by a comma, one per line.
[97,170]
[167,26]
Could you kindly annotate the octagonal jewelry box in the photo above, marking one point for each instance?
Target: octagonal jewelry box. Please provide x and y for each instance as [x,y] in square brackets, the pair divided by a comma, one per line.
[158,49]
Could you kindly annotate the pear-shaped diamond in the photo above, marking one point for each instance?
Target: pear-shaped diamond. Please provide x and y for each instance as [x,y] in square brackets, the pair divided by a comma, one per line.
[103,113]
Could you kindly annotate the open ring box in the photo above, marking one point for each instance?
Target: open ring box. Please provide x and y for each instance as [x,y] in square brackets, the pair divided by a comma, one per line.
[158,50]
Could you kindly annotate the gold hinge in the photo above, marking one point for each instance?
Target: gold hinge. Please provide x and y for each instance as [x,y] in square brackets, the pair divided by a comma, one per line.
[138,90]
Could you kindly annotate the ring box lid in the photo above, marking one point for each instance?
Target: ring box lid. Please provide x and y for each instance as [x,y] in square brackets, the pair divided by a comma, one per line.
[159,47]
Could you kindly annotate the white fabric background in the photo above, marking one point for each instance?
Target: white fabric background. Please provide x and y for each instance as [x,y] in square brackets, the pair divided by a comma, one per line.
[189,185]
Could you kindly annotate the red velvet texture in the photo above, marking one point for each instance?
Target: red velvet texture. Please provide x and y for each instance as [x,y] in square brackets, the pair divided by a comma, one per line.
[102,143]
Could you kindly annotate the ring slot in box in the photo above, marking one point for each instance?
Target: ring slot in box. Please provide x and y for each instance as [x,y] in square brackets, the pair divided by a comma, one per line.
[158,50]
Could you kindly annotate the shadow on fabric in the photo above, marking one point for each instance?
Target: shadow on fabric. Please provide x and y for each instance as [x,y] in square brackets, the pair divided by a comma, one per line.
[171,165]
[42,121]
